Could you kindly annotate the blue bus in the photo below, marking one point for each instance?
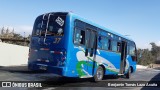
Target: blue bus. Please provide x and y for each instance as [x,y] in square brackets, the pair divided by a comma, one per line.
[68,45]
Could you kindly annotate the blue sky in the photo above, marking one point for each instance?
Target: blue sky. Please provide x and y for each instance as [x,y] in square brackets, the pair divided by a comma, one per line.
[138,18]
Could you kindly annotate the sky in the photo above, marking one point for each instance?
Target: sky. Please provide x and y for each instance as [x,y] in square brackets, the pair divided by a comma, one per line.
[138,19]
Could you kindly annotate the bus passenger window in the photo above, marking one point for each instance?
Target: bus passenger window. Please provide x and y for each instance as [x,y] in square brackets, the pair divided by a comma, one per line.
[103,43]
[79,36]
[118,46]
[114,46]
[82,37]
[109,44]
[100,42]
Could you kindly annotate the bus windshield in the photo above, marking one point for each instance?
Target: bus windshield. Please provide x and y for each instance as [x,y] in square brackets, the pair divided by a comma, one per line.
[49,25]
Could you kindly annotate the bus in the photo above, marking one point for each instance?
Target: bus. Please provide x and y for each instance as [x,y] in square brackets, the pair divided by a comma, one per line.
[68,45]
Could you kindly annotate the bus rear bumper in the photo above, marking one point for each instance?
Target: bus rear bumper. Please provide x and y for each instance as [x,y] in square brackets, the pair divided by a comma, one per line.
[47,68]
[61,71]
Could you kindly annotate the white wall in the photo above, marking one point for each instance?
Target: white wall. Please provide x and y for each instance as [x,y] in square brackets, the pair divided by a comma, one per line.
[11,55]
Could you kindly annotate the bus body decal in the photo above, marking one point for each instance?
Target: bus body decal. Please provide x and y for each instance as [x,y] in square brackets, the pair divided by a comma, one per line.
[99,61]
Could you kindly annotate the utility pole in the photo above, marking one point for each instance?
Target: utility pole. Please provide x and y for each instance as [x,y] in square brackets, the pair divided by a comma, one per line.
[24,39]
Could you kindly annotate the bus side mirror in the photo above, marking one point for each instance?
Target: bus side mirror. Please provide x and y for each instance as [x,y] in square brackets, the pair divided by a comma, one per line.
[86,52]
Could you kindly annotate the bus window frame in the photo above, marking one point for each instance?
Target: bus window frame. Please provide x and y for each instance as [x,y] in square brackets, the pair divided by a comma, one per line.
[107,43]
[74,36]
[99,30]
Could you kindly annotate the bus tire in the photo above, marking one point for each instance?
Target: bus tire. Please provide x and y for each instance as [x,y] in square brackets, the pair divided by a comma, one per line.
[128,75]
[99,74]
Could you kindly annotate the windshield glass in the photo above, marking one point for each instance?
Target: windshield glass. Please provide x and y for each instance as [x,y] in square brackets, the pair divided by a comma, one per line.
[49,24]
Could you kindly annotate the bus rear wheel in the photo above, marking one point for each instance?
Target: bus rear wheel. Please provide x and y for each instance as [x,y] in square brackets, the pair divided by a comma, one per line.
[99,74]
[128,75]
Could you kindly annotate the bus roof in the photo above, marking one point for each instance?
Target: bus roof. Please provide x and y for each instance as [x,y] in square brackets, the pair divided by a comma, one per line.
[92,23]
[96,25]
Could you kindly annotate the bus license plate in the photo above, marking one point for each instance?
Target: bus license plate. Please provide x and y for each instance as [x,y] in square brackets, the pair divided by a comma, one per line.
[43,67]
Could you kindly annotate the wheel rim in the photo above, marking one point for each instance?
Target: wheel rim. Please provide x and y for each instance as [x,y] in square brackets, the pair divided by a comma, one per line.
[99,74]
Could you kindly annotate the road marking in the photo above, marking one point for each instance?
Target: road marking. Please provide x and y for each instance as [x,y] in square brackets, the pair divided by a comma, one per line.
[48,88]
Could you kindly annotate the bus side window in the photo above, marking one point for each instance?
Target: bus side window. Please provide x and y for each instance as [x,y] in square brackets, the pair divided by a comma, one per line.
[103,42]
[79,36]
[87,38]
[92,40]
[100,42]
[114,46]
[118,46]
[109,44]
[82,37]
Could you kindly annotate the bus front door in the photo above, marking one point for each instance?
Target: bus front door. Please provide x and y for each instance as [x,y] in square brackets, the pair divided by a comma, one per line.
[90,50]
[123,57]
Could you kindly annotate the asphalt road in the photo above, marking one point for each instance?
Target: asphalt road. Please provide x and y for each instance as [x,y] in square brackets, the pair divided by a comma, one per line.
[20,73]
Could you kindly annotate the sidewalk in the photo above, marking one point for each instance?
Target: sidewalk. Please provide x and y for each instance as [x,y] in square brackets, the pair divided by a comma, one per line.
[20,69]
[14,68]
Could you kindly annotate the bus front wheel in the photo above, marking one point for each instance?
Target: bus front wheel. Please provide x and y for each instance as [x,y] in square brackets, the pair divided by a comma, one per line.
[99,74]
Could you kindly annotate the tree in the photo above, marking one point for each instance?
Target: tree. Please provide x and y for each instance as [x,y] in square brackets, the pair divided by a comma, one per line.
[17,36]
[155,50]
[146,57]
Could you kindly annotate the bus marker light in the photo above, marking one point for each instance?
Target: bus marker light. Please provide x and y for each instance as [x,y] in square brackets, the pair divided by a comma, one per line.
[56,52]
[44,49]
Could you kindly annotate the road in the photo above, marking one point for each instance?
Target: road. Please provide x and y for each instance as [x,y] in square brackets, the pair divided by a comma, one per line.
[20,73]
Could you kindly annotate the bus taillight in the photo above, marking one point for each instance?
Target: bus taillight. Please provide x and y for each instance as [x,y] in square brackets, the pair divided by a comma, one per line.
[56,52]
[45,49]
